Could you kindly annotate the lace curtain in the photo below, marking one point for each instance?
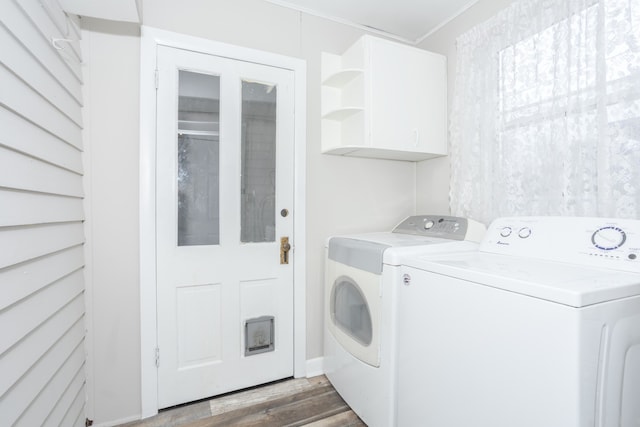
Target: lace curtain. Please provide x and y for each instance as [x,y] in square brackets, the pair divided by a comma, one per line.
[546,112]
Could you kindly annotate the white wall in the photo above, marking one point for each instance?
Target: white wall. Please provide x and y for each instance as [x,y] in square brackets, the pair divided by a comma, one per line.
[432,176]
[111,113]
[343,194]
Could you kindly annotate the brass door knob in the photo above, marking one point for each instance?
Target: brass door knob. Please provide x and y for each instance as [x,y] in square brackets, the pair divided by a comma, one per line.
[285,247]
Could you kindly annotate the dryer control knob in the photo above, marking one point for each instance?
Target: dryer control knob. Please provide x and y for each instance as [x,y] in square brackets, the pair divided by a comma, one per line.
[428,225]
[505,232]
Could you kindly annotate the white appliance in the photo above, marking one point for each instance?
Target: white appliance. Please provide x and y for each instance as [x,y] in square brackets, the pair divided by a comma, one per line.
[361,278]
[539,328]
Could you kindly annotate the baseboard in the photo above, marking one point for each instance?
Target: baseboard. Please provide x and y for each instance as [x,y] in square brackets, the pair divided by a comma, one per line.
[315,367]
[117,422]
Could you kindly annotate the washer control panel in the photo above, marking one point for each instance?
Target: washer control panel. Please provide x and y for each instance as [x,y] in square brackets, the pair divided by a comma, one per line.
[448,227]
[601,242]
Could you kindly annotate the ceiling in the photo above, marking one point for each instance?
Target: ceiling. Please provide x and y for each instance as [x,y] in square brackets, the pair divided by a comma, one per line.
[406,20]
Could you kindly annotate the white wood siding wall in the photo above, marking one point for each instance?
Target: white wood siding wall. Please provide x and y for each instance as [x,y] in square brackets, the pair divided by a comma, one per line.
[42,356]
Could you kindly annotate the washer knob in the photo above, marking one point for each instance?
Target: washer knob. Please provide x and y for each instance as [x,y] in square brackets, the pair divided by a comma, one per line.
[608,238]
[524,232]
[505,232]
[428,225]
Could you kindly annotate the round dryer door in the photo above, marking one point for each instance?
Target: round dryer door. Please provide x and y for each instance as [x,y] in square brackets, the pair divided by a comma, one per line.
[353,304]
[350,310]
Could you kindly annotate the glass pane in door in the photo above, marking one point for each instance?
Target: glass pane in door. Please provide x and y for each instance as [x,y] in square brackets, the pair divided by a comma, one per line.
[258,143]
[198,159]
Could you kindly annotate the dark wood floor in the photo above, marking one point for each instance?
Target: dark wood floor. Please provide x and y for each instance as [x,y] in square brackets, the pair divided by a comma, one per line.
[309,402]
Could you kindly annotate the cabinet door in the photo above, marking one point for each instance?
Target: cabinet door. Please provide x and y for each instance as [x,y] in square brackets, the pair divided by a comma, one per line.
[408,101]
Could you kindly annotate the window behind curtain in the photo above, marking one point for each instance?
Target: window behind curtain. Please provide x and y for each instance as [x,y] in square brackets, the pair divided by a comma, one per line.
[546,114]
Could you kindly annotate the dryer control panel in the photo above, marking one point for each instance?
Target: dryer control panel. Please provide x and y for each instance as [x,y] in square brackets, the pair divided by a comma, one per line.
[598,242]
[448,227]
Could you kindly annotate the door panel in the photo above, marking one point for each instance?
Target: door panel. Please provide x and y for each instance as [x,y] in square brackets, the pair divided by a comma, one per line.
[224,172]
[198,308]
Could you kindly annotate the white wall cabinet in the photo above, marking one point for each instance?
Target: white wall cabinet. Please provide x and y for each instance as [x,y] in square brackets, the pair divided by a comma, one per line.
[382,99]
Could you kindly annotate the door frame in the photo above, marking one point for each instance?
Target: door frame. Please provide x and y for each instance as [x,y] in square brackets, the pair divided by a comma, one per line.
[151,38]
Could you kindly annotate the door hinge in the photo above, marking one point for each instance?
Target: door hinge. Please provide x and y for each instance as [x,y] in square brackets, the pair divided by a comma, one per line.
[157,78]
[157,357]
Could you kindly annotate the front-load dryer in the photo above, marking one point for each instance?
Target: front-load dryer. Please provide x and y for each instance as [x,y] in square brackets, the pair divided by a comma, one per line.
[538,328]
[361,277]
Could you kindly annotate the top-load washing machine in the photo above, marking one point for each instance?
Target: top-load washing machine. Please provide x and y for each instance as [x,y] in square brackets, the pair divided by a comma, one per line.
[361,277]
[539,328]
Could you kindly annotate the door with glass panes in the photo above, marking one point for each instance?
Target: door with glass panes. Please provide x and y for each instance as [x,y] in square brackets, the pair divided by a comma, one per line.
[225,132]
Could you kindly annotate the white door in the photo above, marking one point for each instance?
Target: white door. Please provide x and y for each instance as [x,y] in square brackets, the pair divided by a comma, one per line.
[225,134]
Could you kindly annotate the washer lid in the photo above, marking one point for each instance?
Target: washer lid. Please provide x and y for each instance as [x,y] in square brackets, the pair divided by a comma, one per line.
[573,285]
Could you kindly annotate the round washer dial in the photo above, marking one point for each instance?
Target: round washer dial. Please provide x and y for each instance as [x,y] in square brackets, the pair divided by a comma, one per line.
[608,238]
[524,232]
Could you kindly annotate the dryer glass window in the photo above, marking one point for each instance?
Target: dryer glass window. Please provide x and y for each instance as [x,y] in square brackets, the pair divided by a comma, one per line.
[350,311]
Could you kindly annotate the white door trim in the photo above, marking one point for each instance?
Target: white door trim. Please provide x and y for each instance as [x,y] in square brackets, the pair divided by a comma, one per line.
[151,38]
